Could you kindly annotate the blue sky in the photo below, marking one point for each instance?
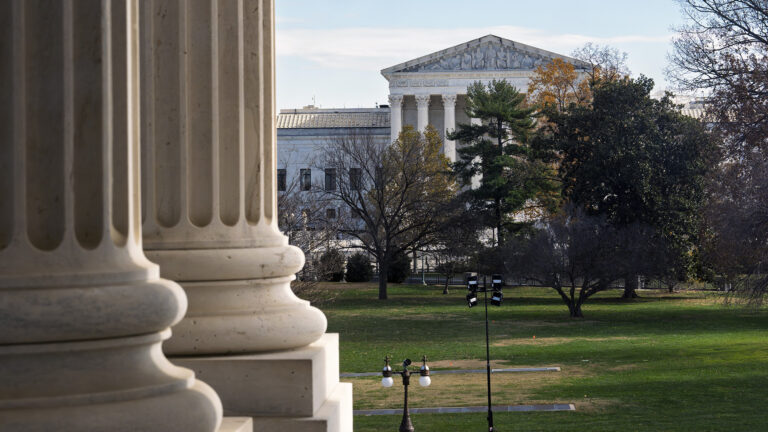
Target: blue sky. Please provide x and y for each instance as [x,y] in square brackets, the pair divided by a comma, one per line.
[333,50]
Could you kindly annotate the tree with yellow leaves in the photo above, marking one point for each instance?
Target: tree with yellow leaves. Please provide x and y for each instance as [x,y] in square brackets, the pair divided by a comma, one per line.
[558,84]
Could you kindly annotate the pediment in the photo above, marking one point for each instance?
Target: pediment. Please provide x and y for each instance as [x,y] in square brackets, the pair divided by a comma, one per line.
[489,53]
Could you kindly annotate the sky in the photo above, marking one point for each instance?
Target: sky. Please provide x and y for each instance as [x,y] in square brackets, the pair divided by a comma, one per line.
[330,52]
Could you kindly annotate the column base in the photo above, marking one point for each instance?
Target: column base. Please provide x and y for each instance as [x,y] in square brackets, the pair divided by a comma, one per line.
[293,390]
[236,424]
[334,416]
[120,384]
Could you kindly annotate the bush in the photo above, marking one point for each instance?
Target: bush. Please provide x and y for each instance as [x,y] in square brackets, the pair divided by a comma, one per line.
[359,268]
[399,268]
[330,266]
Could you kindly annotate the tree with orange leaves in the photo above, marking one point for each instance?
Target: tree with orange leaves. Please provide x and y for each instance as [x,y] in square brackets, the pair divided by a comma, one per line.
[558,84]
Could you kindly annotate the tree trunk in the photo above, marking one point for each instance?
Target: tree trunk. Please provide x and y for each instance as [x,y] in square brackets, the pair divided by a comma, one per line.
[630,287]
[575,310]
[383,270]
[445,288]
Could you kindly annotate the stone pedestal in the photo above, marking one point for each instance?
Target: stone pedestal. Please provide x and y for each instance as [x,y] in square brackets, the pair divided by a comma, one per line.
[83,314]
[209,178]
[236,424]
[298,389]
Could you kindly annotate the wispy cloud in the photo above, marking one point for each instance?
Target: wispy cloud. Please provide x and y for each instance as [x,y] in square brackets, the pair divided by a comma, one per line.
[371,49]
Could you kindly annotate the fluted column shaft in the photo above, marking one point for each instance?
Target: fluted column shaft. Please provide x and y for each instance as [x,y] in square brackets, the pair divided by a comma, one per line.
[422,107]
[83,313]
[209,143]
[449,108]
[477,179]
[396,115]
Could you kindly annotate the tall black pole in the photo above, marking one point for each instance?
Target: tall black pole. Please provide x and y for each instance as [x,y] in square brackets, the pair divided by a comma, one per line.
[487,357]
[405,424]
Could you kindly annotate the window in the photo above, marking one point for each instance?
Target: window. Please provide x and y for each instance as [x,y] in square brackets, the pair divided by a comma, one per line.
[330,179]
[306,179]
[355,178]
[281,180]
[330,213]
[355,214]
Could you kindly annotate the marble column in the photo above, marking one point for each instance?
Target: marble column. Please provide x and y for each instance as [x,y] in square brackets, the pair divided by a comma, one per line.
[477,179]
[210,220]
[83,313]
[449,108]
[210,177]
[422,105]
[396,115]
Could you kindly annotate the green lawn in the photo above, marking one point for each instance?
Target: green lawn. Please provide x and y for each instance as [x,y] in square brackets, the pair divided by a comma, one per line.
[664,362]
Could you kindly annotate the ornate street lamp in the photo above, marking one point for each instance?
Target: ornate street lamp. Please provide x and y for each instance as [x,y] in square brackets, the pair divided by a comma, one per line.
[388,381]
[496,299]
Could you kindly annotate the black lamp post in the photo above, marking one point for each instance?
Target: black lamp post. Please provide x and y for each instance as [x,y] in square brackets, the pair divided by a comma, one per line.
[424,381]
[496,299]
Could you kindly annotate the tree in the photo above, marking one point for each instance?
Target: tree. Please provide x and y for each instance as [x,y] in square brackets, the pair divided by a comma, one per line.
[634,159]
[303,216]
[456,244]
[396,192]
[514,177]
[330,266]
[606,63]
[722,51]
[556,85]
[359,268]
[580,255]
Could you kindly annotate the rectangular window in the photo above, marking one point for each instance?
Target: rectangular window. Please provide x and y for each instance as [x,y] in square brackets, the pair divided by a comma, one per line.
[330,213]
[306,179]
[281,180]
[354,213]
[330,179]
[355,178]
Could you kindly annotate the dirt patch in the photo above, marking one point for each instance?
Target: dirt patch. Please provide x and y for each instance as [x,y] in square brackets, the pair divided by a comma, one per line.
[622,368]
[456,390]
[552,340]
[465,364]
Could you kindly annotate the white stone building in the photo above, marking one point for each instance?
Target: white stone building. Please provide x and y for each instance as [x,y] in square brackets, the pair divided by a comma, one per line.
[427,90]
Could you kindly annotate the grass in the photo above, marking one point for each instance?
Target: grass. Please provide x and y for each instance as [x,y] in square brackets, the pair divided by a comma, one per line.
[664,362]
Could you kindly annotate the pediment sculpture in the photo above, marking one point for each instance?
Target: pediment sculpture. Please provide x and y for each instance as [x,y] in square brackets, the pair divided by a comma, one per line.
[483,57]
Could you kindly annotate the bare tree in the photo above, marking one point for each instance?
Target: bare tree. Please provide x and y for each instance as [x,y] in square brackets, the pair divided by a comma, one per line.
[309,217]
[737,240]
[723,51]
[580,255]
[396,193]
[608,63]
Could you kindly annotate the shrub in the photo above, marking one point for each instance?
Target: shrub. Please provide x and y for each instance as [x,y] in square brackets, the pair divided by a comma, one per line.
[330,266]
[359,268]
[399,268]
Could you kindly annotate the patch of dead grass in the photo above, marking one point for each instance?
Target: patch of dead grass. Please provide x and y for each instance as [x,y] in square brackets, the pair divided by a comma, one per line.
[545,341]
[458,390]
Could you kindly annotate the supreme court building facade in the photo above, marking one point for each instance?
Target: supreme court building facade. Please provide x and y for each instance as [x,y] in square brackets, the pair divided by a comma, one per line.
[427,90]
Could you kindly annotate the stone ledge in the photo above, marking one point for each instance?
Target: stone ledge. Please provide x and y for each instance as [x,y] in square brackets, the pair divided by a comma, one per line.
[236,424]
[334,416]
[291,383]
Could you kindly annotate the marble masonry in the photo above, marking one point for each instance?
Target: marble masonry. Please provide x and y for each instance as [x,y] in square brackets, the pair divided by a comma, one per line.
[138,192]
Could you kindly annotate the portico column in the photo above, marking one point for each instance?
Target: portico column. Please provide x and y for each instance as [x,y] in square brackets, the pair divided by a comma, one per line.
[209,144]
[83,313]
[477,179]
[422,105]
[396,115]
[208,111]
[449,107]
